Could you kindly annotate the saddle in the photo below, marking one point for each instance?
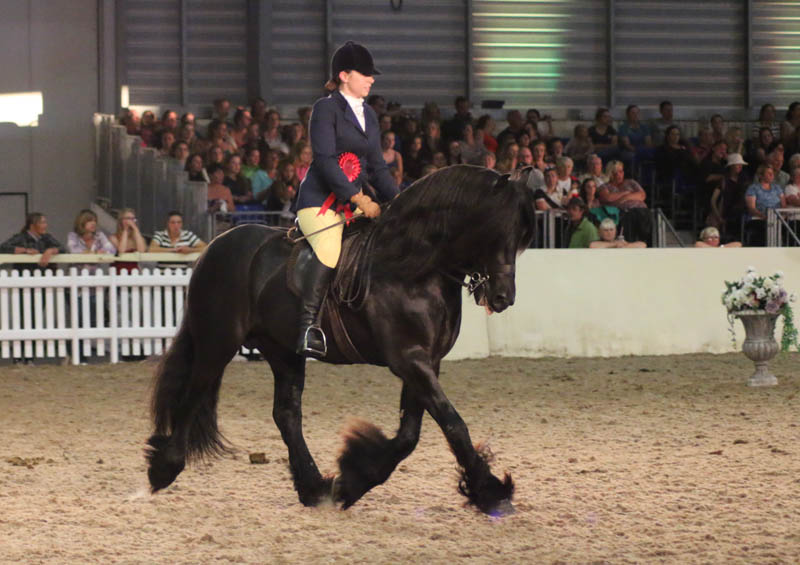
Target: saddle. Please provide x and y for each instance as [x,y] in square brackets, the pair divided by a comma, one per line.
[350,285]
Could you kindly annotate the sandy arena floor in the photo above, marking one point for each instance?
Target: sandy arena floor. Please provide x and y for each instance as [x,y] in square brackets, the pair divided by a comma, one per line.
[627,460]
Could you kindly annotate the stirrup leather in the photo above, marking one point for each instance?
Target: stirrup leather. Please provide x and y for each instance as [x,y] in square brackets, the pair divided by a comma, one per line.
[307,349]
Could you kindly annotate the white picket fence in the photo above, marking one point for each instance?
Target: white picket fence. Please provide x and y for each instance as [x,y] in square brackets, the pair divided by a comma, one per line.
[55,315]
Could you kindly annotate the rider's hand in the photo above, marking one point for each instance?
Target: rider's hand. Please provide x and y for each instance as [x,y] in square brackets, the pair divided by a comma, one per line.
[366,205]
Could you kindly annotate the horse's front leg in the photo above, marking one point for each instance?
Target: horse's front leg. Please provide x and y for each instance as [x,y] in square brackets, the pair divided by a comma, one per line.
[478,484]
[369,457]
[289,373]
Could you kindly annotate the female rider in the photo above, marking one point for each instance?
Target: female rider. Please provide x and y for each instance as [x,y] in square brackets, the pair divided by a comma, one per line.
[345,135]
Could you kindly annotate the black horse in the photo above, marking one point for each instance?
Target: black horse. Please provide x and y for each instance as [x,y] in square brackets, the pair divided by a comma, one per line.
[452,223]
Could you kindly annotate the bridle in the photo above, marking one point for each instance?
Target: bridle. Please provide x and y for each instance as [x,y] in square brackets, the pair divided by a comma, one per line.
[477,279]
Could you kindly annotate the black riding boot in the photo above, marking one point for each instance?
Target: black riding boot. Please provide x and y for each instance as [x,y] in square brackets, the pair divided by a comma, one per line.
[311,340]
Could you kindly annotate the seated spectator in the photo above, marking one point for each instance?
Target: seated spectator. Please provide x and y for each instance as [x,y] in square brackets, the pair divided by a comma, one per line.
[507,158]
[551,197]
[188,134]
[241,121]
[709,237]
[222,110]
[187,118]
[734,138]
[169,122]
[792,190]
[453,128]
[439,160]
[236,181]
[790,123]
[529,130]
[175,239]
[484,130]
[555,150]
[164,143]
[718,131]
[293,134]
[702,148]
[603,135]
[581,231]
[215,156]
[180,152]
[658,129]
[33,239]
[764,194]
[130,119]
[542,124]
[775,159]
[580,146]
[147,128]
[472,148]
[258,110]
[629,197]
[127,239]
[431,142]
[219,197]
[430,113]
[304,115]
[272,132]
[301,157]
[727,200]
[253,136]
[759,147]
[610,240]
[564,166]
[489,160]
[672,157]
[711,174]
[218,137]
[594,170]
[635,140]
[281,194]
[588,192]
[86,238]
[539,150]
[195,169]
[524,139]
[252,171]
[412,161]
[766,119]
[525,157]
[515,126]
[454,156]
[392,157]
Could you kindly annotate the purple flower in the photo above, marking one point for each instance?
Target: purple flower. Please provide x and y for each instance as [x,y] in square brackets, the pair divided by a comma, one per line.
[772,307]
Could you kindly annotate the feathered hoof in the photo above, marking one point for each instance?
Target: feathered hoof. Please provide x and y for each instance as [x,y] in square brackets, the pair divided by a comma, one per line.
[162,471]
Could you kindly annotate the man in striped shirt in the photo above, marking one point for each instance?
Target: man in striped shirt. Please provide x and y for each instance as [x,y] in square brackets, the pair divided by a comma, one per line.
[175,238]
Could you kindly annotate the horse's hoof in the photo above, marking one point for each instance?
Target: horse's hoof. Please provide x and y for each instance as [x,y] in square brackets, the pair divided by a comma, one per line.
[504,508]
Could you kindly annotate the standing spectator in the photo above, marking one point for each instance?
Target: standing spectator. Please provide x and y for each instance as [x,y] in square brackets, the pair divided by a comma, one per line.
[515,127]
[659,126]
[766,119]
[252,171]
[195,169]
[718,130]
[629,197]
[301,158]
[453,128]
[603,135]
[484,130]
[33,239]
[127,239]
[581,231]
[790,123]
[392,157]
[236,181]
[175,238]
[272,132]
[580,146]
[86,238]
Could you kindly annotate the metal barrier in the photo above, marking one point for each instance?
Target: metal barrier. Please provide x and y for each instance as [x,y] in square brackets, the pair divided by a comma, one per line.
[661,225]
[223,221]
[779,231]
[130,175]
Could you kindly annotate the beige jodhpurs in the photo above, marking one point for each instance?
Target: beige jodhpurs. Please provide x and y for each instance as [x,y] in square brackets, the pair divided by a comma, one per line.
[328,244]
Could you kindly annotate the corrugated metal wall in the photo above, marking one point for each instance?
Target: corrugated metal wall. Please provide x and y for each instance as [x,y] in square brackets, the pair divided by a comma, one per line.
[694,53]
[420,48]
[297,58]
[550,53]
[775,53]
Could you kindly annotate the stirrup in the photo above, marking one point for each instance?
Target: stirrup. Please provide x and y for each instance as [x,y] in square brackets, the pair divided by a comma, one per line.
[310,351]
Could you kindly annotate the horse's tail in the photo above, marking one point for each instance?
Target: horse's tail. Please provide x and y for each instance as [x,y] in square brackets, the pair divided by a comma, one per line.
[184,410]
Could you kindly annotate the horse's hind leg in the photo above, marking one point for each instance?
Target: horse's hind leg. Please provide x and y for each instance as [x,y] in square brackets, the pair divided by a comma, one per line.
[369,457]
[289,371]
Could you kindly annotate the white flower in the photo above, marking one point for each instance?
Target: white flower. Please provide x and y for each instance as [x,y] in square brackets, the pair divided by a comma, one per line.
[751,269]
[779,274]
[760,293]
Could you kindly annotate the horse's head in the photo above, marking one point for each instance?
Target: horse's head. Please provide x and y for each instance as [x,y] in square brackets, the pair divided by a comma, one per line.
[498,289]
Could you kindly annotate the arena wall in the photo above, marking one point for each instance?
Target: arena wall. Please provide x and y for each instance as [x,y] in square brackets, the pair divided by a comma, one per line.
[592,302]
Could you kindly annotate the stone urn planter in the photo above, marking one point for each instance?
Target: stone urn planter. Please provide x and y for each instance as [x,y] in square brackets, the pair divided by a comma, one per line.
[759,344]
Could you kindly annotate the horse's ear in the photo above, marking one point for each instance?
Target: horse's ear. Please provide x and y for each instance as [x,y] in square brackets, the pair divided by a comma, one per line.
[502,181]
[521,175]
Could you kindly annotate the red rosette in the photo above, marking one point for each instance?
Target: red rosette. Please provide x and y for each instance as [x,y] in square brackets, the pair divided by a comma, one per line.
[350,165]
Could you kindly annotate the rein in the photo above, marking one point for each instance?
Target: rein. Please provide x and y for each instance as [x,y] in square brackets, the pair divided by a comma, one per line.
[477,279]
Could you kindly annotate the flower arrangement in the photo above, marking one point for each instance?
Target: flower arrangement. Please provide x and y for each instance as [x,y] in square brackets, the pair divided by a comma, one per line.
[754,292]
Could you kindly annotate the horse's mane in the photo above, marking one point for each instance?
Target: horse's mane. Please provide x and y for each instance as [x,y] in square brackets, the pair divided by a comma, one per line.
[453,218]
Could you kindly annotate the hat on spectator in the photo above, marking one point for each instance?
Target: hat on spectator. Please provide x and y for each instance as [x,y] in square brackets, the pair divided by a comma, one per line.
[735,159]
[353,57]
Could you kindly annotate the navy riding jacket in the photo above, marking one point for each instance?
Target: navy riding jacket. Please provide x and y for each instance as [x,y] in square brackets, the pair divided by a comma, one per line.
[334,129]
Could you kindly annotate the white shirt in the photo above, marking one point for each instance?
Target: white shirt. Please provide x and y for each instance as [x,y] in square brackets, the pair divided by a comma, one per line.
[791,190]
[357,104]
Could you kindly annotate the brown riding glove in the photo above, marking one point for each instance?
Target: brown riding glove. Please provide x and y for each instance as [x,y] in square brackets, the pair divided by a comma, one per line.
[366,205]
